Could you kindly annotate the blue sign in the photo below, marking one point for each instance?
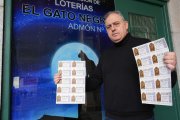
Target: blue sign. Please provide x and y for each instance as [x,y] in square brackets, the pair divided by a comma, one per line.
[44,32]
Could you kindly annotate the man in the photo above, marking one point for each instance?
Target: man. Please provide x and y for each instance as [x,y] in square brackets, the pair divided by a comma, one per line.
[118,71]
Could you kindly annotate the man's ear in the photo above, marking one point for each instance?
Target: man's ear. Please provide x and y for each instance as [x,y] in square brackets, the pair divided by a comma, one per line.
[127,25]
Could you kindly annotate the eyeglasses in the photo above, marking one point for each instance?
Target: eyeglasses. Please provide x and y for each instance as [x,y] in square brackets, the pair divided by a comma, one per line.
[115,24]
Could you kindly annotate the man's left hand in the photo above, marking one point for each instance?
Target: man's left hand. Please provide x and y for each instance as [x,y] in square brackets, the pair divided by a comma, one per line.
[170,60]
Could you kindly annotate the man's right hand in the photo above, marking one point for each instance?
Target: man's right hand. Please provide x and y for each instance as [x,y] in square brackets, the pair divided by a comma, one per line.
[57,78]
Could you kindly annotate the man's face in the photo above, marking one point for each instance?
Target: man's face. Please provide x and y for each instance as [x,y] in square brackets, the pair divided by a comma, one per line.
[116,27]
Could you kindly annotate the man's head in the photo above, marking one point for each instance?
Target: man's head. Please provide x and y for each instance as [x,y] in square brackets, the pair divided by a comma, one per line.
[116,26]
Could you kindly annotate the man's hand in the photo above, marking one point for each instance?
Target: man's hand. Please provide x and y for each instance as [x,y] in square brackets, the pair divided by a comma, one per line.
[57,78]
[170,60]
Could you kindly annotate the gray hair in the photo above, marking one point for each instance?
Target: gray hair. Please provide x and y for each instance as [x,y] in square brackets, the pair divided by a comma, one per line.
[113,12]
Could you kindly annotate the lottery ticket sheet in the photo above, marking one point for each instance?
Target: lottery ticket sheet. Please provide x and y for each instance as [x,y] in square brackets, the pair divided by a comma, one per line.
[71,88]
[155,77]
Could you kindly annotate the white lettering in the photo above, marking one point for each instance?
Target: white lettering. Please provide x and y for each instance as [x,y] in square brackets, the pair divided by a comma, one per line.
[74,5]
[81,27]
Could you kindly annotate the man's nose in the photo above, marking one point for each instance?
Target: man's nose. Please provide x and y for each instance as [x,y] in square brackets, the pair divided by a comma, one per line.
[113,28]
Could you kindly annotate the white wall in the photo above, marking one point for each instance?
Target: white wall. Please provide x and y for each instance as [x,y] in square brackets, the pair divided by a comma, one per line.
[174,14]
[1,36]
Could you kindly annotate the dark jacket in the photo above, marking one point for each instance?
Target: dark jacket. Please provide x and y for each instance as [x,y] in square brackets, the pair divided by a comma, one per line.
[118,71]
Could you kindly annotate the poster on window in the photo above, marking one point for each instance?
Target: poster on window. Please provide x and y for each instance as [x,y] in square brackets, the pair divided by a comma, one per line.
[43,33]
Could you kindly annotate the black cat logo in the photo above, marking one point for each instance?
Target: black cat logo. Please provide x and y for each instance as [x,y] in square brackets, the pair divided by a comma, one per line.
[93,98]
[90,65]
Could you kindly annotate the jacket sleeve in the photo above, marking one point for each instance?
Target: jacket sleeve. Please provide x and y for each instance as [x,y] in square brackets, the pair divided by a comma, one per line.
[173,78]
[94,80]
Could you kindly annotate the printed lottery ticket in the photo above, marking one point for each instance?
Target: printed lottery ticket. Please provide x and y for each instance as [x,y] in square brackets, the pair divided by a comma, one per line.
[71,88]
[155,77]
